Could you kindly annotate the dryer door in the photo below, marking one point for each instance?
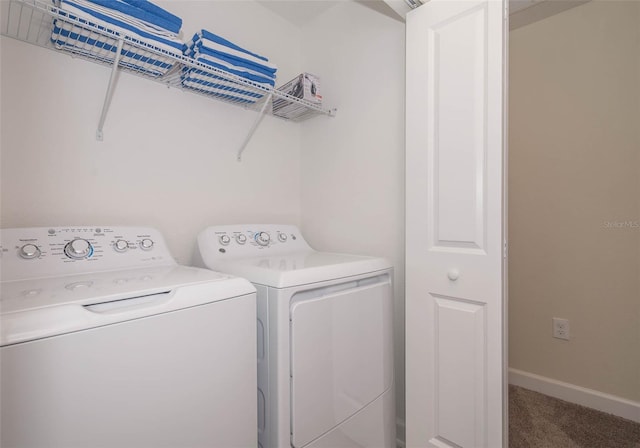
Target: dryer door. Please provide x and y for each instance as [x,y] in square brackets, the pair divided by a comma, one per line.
[341,353]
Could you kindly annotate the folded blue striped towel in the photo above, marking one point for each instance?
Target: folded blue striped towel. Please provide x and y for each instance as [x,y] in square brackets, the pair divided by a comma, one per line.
[82,39]
[208,43]
[204,34]
[219,87]
[206,49]
[145,11]
[242,72]
[118,22]
[223,55]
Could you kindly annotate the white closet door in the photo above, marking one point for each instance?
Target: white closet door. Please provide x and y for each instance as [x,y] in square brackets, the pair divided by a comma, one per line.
[455,239]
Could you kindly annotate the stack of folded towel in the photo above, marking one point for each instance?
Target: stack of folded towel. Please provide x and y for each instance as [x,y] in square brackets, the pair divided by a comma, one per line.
[141,20]
[217,52]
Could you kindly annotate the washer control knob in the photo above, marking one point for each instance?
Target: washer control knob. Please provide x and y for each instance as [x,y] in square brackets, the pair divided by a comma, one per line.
[120,246]
[282,237]
[78,249]
[29,251]
[263,238]
[241,238]
[224,239]
[146,244]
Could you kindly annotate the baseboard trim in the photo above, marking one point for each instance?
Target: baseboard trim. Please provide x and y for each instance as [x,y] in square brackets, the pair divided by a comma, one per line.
[590,398]
[401,433]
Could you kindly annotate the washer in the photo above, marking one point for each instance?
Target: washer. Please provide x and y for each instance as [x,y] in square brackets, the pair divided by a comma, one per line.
[325,344]
[107,342]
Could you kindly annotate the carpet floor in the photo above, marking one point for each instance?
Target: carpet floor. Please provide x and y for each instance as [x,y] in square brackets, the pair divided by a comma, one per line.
[540,421]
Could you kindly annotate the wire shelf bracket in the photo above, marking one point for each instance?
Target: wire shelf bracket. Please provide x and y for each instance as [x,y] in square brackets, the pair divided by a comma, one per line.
[109,93]
[255,125]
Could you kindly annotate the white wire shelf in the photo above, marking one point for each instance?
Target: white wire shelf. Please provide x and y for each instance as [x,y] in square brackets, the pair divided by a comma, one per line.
[44,24]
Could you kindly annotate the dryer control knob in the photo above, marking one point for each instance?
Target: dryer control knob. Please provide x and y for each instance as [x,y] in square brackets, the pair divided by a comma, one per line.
[120,246]
[262,238]
[29,251]
[282,237]
[241,238]
[146,244]
[224,239]
[78,249]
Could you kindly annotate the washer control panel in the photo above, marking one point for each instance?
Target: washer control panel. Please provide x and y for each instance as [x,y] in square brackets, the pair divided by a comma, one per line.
[251,240]
[51,251]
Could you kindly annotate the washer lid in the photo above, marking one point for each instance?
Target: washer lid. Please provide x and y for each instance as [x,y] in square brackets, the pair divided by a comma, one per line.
[37,308]
[301,268]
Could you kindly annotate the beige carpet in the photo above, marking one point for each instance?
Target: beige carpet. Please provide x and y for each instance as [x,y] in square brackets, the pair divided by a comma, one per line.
[539,421]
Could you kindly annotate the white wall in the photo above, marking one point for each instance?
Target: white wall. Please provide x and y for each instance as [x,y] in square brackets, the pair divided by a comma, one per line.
[168,157]
[353,164]
[574,167]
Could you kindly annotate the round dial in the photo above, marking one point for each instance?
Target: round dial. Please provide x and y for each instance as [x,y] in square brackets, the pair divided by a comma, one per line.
[146,244]
[224,239]
[282,237]
[78,249]
[120,246]
[241,239]
[29,251]
[262,238]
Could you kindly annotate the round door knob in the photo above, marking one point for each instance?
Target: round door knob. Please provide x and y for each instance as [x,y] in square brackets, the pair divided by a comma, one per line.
[453,274]
[78,249]
[121,246]
[282,237]
[146,244]
[241,239]
[29,251]
[262,238]
[224,239]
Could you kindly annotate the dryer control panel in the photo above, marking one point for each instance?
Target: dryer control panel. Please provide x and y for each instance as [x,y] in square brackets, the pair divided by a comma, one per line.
[53,251]
[252,240]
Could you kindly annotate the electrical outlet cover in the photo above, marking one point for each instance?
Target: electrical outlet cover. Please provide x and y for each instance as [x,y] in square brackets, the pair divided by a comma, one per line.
[560,328]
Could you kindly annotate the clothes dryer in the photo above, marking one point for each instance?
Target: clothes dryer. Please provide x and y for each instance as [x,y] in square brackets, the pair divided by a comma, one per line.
[107,342]
[325,345]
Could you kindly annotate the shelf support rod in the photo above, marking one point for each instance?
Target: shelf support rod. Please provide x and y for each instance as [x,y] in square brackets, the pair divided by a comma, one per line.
[107,97]
[257,121]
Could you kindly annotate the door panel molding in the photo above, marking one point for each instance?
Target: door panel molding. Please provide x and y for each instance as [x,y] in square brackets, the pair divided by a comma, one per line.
[460,341]
[457,215]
